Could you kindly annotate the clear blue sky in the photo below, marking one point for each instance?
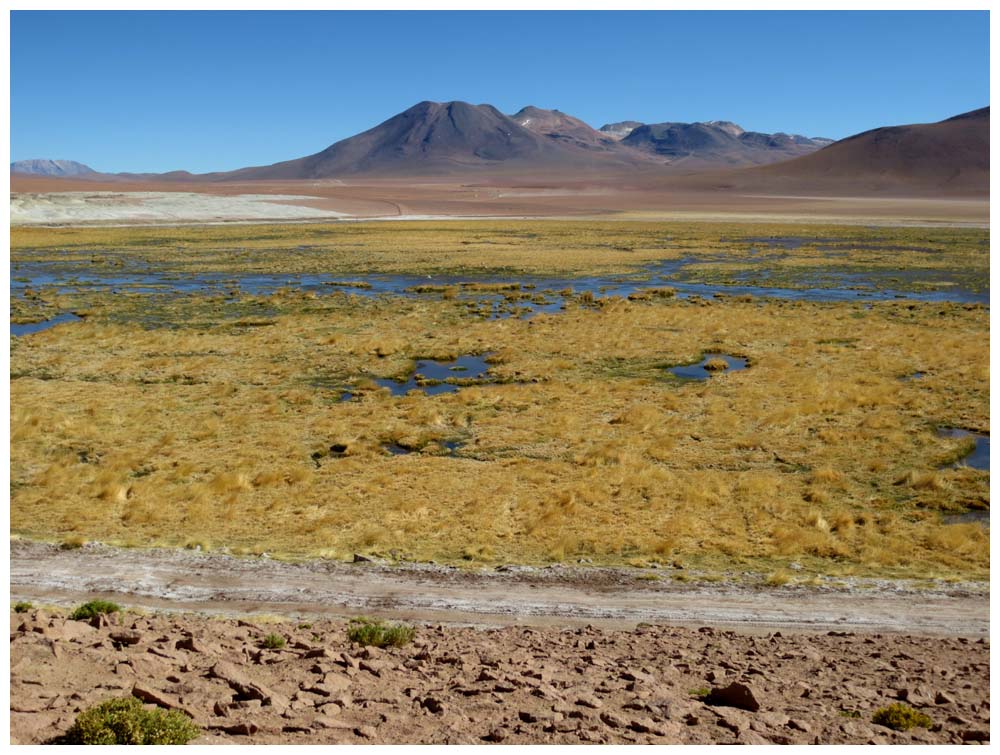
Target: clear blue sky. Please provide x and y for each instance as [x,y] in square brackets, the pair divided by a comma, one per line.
[144,91]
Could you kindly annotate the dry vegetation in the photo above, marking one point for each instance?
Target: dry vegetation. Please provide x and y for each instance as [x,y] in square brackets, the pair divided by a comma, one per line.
[538,247]
[221,426]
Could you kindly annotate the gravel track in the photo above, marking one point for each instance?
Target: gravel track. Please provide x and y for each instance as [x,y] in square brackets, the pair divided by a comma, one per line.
[563,596]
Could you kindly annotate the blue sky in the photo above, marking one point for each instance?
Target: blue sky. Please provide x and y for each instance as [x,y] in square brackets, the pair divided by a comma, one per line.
[133,91]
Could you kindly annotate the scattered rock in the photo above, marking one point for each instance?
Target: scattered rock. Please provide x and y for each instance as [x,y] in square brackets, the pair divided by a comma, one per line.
[329,722]
[736,695]
[372,667]
[192,644]
[245,686]
[857,730]
[243,728]
[496,735]
[318,653]
[734,720]
[149,694]
[645,726]
[126,638]
[615,722]
[975,735]
[432,705]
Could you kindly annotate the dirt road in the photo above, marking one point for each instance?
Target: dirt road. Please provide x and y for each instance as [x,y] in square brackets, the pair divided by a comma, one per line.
[562,596]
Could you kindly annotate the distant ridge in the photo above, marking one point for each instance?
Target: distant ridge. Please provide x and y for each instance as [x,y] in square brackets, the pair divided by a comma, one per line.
[718,143]
[43,167]
[952,155]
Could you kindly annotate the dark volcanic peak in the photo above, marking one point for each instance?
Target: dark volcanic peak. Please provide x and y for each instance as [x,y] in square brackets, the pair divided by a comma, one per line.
[718,143]
[453,133]
[57,168]
[620,130]
[951,155]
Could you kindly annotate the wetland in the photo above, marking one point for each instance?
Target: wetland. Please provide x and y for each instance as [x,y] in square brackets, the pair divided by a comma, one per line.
[497,392]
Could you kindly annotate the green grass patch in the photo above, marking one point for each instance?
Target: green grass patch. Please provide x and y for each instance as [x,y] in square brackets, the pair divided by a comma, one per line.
[94,608]
[366,631]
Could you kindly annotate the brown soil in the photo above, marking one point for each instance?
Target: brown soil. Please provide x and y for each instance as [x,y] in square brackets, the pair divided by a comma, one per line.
[514,685]
[643,195]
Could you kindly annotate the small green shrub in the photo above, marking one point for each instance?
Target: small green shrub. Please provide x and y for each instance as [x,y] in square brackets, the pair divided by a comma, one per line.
[94,608]
[22,606]
[365,631]
[273,641]
[901,717]
[124,721]
[699,692]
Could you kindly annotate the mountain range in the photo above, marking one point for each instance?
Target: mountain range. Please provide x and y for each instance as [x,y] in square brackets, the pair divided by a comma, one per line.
[459,138]
[447,137]
[718,143]
[442,138]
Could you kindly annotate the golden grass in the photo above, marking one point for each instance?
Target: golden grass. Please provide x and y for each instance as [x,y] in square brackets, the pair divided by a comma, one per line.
[215,432]
[722,251]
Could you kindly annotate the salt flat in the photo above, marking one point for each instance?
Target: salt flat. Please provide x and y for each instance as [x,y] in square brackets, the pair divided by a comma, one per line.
[76,207]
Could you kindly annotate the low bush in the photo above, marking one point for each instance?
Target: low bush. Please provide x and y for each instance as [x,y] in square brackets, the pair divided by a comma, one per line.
[124,721]
[72,543]
[365,631]
[901,717]
[94,608]
[273,641]
[22,606]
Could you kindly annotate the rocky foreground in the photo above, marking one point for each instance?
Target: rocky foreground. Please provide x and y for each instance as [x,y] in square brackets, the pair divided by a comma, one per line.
[512,685]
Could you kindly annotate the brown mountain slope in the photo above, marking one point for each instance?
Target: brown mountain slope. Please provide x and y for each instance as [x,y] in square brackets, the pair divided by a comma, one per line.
[564,128]
[950,156]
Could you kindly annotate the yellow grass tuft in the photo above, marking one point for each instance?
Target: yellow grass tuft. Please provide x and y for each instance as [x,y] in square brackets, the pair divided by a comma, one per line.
[778,578]
[923,480]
